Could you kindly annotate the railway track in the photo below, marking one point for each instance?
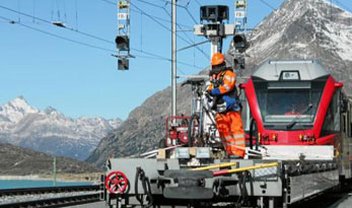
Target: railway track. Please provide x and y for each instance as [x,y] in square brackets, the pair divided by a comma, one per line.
[43,190]
[49,196]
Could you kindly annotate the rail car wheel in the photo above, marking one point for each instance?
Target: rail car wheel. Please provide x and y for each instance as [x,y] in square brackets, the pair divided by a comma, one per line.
[116,182]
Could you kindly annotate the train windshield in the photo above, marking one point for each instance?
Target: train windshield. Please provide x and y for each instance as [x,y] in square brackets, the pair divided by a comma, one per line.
[285,102]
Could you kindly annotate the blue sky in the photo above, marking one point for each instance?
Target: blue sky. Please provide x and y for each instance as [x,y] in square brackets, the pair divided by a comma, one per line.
[84,81]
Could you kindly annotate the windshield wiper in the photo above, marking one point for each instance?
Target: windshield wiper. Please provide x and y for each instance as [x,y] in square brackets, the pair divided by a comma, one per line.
[294,120]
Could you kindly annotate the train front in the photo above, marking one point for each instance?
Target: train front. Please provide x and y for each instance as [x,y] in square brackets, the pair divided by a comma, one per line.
[293,109]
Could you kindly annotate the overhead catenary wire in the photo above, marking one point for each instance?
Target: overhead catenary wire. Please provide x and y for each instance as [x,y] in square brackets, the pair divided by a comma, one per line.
[79,32]
[8,20]
[76,15]
[162,19]
[49,22]
[154,16]
[183,7]
[273,8]
[155,5]
[163,26]
[34,3]
[55,35]
[198,2]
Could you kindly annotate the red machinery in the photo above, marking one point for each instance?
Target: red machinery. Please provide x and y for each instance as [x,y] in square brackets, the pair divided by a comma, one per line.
[176,130]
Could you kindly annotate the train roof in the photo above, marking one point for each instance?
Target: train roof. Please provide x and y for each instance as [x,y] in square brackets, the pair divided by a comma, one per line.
[292,70]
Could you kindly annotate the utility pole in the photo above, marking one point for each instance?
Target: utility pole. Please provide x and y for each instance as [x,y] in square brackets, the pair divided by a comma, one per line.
[173,58]
[54,171]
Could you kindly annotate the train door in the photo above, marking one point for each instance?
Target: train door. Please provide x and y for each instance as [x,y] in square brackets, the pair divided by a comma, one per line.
[249,124]
[348,143]
[346,137]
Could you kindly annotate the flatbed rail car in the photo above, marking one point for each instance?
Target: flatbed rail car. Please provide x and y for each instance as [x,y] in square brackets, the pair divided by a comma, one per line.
[293,153]
[248,182]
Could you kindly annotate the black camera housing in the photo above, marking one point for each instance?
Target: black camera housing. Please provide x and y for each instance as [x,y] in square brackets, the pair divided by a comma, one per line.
[214,13]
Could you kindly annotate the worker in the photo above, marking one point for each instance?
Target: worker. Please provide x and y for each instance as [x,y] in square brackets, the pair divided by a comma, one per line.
[228,117]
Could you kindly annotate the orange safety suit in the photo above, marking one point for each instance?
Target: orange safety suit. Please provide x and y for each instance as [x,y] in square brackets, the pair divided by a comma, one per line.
[229,123]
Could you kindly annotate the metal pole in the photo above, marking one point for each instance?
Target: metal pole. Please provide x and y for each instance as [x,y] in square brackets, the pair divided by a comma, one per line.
[214,46]
[174,66]
[54,171]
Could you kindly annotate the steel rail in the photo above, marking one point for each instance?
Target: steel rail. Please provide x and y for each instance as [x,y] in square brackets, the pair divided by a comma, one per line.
[56,202]
[42,190]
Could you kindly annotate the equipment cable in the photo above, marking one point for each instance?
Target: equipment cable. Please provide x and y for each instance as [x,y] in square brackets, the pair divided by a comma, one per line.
[140,175]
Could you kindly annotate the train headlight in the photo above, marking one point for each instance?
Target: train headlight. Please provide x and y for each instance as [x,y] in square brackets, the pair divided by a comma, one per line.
[307,138]
[300,137]
[274,137]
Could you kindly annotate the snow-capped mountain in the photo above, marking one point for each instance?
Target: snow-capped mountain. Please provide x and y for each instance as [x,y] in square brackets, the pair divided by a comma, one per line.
[50,131]
[299,29]
[306,29]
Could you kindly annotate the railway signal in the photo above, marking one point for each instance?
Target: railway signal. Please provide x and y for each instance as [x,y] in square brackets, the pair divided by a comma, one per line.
[122,42]
[122,39]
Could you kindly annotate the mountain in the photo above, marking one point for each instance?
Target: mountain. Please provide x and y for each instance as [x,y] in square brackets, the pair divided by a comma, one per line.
[305,29]
[50,131]
[15,160]
[299,29]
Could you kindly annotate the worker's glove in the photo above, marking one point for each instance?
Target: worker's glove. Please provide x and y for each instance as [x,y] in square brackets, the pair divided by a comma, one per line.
[215,92]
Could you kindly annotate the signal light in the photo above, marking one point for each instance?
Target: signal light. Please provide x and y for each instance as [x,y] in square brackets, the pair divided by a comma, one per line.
[240,43]
[122,42]
[123,64]
[239,63]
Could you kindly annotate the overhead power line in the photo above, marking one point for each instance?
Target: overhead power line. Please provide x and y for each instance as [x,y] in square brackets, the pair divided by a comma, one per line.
[273,8]
[152,56]
[164,26]
[155,5]
[76,31]
[55,35]
[51,23]
[268,5]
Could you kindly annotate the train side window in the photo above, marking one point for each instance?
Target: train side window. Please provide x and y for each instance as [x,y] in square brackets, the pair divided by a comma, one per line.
[332,118]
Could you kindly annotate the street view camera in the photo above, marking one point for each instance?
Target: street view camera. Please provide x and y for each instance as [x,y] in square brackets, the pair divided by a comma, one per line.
[211,19]
[214,13]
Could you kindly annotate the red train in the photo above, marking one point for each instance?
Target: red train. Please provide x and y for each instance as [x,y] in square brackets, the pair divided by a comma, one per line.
[298,103]
[294,103]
